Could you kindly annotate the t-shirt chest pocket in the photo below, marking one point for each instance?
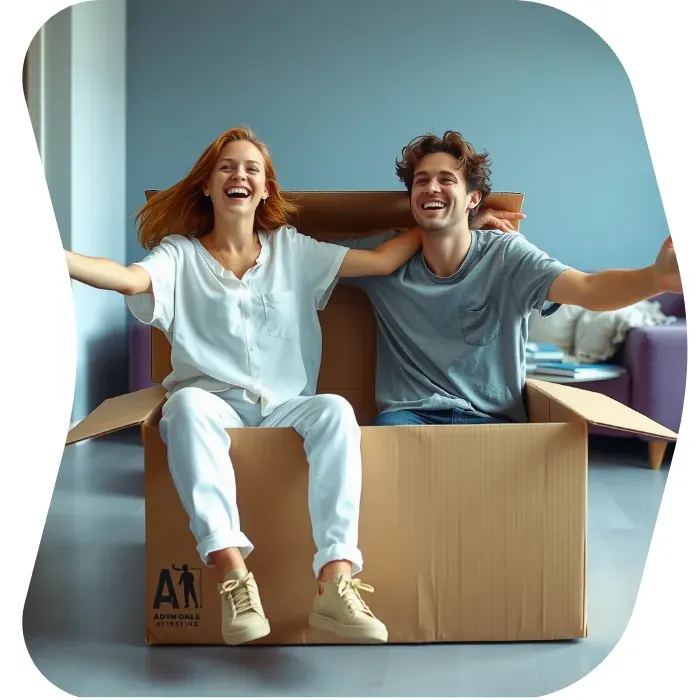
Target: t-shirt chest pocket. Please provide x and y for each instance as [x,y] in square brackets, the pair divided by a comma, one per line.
[480,323]
[279,313]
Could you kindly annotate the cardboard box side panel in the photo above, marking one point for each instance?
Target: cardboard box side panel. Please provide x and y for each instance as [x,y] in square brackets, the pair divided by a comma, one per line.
[565,531]
[276,520]
[271,481]
[177,612]
[346,295]
[537,405]
[573,455]
[161,597]
[349,352]
[482,529]
[472,512]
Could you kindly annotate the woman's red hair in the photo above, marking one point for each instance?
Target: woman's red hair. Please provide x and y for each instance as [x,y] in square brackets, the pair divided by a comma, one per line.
[185,209]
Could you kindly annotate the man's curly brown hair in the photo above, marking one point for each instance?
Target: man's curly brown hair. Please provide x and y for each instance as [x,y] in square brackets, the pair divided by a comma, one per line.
[476,166]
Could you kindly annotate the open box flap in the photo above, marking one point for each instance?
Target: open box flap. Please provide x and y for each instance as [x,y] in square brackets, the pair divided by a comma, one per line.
[601,410]
[118,413]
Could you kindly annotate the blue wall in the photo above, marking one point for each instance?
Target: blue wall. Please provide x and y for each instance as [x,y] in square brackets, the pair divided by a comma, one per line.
[337,88]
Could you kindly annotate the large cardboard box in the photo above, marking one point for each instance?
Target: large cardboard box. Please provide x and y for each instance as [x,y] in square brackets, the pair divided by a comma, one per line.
[469,533]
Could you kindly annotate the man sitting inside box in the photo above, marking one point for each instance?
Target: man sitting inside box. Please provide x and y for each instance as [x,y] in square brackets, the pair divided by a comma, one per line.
[452,321]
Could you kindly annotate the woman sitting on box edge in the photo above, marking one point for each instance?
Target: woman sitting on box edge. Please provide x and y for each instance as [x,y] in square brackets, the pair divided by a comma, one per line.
[238,296]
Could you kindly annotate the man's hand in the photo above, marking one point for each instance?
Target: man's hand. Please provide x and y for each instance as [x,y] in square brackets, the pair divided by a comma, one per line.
[496,220]
[666,267]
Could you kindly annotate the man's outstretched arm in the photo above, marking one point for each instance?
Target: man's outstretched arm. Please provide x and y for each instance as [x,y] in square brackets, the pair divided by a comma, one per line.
[614,289]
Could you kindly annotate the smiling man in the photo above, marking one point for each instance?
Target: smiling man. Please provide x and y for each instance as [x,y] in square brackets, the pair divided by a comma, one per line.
[452,322]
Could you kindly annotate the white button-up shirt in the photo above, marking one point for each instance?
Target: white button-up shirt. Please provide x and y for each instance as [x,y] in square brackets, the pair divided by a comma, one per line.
[261,333]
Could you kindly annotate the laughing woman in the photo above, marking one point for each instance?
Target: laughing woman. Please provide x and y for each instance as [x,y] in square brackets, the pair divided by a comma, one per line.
[238,296]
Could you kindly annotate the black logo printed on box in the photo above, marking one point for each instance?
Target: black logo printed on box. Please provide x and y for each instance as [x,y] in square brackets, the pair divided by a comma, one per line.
[189,582]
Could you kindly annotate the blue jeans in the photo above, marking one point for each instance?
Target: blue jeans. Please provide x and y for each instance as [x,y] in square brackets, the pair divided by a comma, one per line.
[450,416]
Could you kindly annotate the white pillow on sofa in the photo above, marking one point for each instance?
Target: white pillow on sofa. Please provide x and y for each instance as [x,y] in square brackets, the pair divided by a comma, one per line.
[599,334]
[558,329]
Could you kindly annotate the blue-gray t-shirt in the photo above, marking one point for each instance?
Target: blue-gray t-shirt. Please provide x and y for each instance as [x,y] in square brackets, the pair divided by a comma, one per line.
[459,341]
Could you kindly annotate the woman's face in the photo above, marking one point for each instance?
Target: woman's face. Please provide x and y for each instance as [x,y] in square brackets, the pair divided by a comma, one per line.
[236,184]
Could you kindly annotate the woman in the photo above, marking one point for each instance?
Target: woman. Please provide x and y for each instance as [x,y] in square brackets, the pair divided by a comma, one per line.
[238,296]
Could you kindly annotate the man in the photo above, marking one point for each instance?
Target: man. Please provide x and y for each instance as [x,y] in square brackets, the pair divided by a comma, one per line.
[452,322]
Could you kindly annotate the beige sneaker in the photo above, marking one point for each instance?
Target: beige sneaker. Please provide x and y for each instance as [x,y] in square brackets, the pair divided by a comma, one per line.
[341,610]
[242,616]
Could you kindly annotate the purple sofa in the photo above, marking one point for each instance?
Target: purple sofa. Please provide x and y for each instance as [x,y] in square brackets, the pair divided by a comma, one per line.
[139,355]
[655,358]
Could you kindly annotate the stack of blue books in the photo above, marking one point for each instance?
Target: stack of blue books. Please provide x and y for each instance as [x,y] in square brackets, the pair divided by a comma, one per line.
[577,370]
[541,352]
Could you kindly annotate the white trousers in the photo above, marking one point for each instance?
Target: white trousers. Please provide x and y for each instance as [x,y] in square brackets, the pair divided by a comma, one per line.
[193,426]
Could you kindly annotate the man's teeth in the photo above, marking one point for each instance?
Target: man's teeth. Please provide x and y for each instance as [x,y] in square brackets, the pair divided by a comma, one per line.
[433,205]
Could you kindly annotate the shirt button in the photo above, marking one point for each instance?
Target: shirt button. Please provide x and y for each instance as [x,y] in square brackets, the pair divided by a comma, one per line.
[245,316]
[251,348]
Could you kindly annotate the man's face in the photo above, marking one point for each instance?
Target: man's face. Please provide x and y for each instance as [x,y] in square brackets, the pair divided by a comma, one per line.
[439,199]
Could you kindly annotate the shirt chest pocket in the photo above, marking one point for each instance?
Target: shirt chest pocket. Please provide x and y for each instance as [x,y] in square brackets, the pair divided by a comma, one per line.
[279,313]
[480,325]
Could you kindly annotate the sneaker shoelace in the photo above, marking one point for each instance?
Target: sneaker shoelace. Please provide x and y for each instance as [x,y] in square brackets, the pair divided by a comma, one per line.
[242,595]
[349,592]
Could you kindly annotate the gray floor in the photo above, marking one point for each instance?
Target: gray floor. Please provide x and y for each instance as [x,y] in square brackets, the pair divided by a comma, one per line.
[91,558]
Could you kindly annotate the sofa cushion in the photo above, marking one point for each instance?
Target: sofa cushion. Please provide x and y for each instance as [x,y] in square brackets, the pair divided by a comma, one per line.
[558,329]
[599,334]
